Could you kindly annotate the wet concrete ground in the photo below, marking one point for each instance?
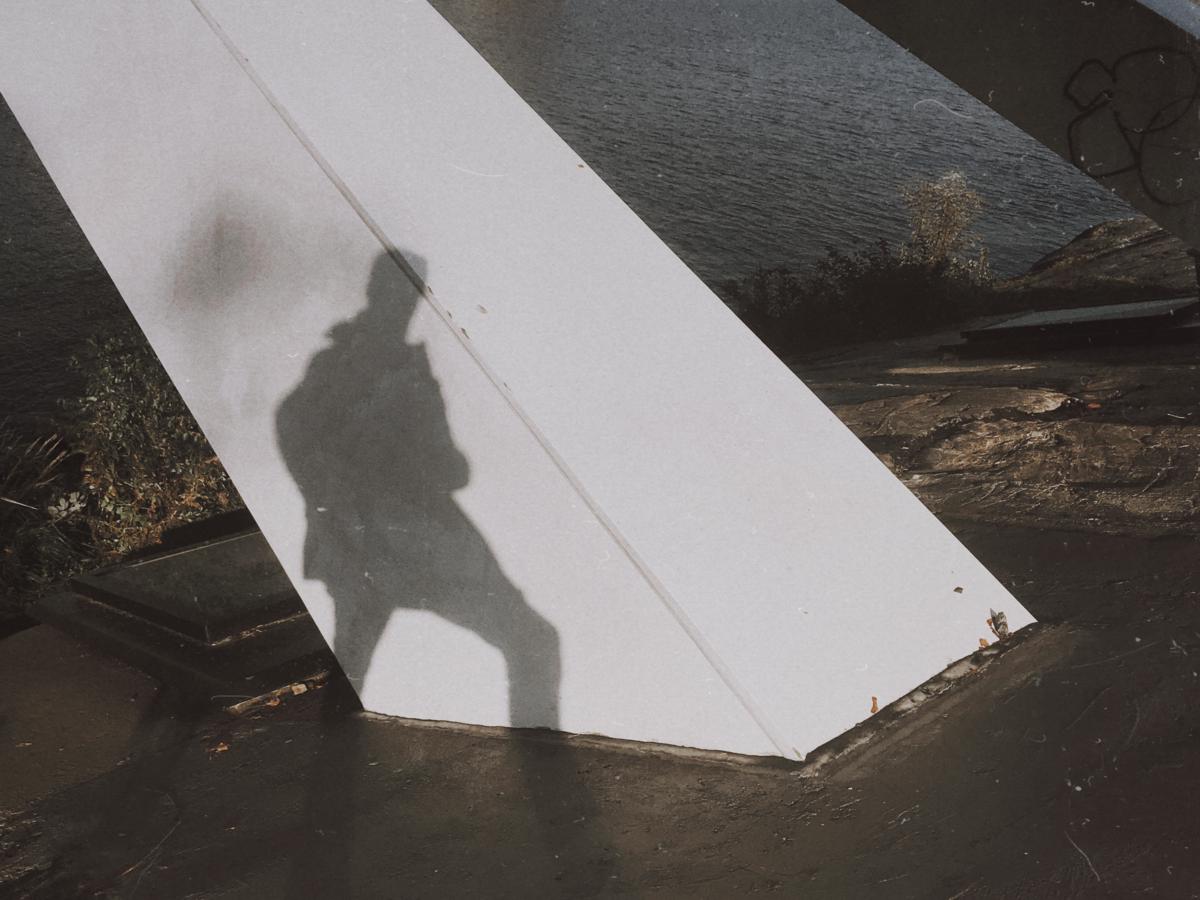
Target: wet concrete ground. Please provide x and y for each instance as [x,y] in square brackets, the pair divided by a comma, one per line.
[1068,766]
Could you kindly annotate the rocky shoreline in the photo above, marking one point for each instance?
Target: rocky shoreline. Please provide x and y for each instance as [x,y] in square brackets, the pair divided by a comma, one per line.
[1122,260]
[1098,439]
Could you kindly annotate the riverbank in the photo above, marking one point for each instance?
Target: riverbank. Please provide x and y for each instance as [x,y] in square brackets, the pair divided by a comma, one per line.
[1103,439]
[1118,261]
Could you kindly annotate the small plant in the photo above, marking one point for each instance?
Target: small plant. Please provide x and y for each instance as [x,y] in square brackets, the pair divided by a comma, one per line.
[941,213]
[65,507]
[133,463]
[937,276]
[37,546]
[145,464]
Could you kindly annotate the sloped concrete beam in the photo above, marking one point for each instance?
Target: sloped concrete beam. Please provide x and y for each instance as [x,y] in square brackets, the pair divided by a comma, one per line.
[522,466]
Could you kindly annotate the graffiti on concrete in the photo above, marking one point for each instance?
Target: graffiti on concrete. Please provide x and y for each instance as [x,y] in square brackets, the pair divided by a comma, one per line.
[1139,114]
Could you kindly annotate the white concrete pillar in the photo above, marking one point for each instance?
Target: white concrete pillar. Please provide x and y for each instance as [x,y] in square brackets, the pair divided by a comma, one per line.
[520,463]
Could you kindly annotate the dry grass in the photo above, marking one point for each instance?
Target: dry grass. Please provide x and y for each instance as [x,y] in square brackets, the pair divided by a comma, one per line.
[145,464]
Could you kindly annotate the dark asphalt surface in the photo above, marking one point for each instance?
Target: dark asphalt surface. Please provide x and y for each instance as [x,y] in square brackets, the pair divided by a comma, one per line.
[1067,768]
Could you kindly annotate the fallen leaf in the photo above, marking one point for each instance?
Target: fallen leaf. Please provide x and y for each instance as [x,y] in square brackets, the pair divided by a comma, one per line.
[874,704]
[983,642]
[220,748]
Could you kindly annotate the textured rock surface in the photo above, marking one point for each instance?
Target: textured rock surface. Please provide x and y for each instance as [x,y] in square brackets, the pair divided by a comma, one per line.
[1101,439]
[1120,260]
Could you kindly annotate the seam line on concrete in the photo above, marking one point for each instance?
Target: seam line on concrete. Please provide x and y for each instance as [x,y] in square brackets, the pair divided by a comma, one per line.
[681,617]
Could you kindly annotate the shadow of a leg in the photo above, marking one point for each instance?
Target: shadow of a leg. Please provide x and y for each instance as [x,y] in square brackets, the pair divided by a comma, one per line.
[366,436]
[323,857]
[527,641]
[572,833]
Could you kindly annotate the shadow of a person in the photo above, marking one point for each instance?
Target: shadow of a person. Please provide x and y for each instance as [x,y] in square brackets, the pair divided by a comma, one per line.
[365,437]
[367,441]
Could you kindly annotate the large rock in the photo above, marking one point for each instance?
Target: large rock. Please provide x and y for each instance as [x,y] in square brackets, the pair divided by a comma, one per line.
[1116,261]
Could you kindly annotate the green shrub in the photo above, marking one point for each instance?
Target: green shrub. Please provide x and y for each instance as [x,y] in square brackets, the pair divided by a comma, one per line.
[132,464]
[145,464]
[40,535]
[941,214]
[937,276]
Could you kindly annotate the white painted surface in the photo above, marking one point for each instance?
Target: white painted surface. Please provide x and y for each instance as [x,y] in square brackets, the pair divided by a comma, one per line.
[664,512]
